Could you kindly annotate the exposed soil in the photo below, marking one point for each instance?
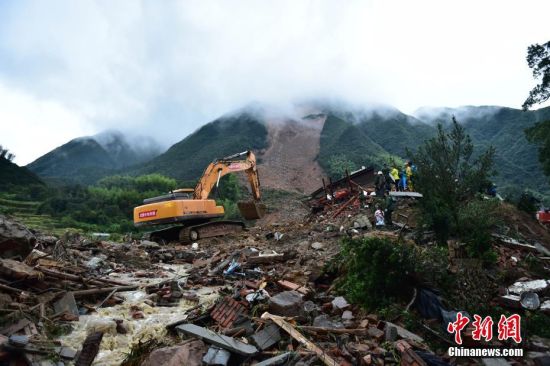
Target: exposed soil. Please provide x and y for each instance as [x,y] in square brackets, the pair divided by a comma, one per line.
[289,163]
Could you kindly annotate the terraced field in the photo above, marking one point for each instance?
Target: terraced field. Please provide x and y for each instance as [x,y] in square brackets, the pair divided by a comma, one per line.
[26,213]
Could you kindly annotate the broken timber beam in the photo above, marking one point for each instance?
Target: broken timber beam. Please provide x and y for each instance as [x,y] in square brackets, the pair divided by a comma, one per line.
[71,277]
[94,291]
[287,327]
[343,207]
[358,331]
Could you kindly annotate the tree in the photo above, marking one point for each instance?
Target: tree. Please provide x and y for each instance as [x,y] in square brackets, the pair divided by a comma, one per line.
[538,59]
[449,177]
[539,134]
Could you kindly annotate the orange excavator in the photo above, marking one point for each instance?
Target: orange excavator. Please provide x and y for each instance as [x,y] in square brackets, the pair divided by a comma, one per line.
[192,208]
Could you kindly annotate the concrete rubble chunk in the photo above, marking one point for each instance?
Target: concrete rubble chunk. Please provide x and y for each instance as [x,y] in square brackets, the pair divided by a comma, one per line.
[347,315]
[530,300]
[15,239]
[317,245]
[545,306]
[277,360]
[535,286]
[340,303]
[324,321]
[286,303]
[497,361]
[216,356]
[362,222]
[189,353]
[217,339]
[267,337]
[391,333]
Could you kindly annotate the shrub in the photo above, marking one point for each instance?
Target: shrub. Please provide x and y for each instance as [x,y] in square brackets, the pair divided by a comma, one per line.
[475,221]
[377,271]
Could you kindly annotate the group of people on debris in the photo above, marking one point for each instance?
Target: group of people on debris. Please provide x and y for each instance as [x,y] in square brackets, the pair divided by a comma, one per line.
[388,180]
[394,180]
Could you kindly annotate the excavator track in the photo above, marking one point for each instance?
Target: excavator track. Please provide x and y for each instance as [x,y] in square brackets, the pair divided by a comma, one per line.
[209,230]
[191,233]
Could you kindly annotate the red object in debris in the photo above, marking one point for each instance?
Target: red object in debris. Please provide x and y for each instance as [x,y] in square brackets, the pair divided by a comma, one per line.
[227,311]
[544,217]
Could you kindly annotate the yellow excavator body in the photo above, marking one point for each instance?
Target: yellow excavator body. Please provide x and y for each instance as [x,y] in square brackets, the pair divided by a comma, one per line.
[179,210]
[192,208]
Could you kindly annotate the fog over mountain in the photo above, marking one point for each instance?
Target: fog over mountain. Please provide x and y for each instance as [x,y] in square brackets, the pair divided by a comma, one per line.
[163,69]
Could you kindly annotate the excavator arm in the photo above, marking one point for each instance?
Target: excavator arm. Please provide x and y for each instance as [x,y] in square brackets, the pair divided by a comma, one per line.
[245,161]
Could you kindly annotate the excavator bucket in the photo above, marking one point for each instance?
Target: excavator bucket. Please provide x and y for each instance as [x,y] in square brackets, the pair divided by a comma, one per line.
[251,210]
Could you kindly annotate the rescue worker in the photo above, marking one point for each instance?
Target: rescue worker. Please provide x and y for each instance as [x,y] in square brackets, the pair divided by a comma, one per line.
[403,181]
[394,174]
[380,184]
[390,207]
[409,172]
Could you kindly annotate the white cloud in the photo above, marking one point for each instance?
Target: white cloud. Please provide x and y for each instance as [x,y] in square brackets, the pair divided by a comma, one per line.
[31,127]
[166,67]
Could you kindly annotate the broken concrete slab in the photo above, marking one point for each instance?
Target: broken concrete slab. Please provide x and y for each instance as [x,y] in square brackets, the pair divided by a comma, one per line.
[406,194]
[535,286]
[277,360]
[545,306]
[286,303]
[66,304]
[267,337]
[188,353]
[217,339]
[404,333]
[511,301]
[17,270]
[216,356]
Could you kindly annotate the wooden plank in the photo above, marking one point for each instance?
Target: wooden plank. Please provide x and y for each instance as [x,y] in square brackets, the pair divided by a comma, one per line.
[327,360]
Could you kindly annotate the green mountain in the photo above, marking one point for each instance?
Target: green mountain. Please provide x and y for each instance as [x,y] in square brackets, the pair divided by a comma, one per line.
[87,159]
[516,159]
[349,137]
[13,175]
[340,138]
[187,159]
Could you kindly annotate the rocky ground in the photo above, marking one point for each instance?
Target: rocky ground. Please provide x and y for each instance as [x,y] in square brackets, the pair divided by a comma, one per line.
[260,297]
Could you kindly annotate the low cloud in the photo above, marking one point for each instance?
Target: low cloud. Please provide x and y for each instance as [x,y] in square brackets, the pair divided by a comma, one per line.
[163,69]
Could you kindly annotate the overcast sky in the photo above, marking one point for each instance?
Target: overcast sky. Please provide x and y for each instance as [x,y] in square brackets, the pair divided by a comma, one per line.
[163,68]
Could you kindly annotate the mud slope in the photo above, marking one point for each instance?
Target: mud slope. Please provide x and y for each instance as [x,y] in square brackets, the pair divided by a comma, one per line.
[289,161]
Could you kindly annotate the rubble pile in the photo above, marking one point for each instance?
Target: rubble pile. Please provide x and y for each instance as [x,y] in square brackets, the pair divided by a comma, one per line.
[260,297]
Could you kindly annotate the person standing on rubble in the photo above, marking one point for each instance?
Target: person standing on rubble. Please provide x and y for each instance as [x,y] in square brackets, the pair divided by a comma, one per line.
[379,217]
[409,172]
[403,181]
[386,173]
[390,207]
[380,184]
[394,174]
